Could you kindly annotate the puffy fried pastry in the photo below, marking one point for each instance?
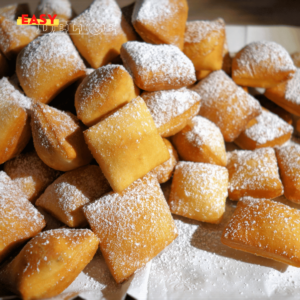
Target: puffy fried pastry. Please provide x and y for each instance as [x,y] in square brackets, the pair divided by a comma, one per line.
[66,196]
[201,141]
[157,67]
[204,43]
[30,174]
[14,121]
[262,64]
[288,158]
[254,174]
[58,138]
[265,228]
[266,130]
[101,24]
[61,8]
[12,12]
[49,263]
[13,38]
[226,104]
[102,92]
[275,109]
[199,191]
[296,59]
[48,65]
[171,110]
[127,145]
[19,219]
[164,171]
[161,21]
[202,74]
[133,226]
[287,94]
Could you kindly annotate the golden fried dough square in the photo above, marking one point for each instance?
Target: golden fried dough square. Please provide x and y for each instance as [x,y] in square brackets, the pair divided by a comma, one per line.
[48,65]
[133,226]
[288,158]
[19,219]
[204,43]
[99,32]
[171,110]
[102,92]
[49,263]
[199,191]
[287,94]
[226,104]
[157,67]
[266,130]
[127,145]
[67,195]
[262,64]
[265,228]
[254,174]
[14,121]
[161,21]
[164,171]
[58,138]
[201,141]
[13,38]
[30,174]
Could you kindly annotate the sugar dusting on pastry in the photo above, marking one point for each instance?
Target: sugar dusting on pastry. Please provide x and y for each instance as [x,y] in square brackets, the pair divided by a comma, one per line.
[166,105]
[59,7]
[159,63]
[268,128]
[290,159]
[292,91]
[264,54]
[197,31]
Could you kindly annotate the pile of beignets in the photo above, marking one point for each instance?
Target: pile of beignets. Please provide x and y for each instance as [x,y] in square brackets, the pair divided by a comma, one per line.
[96,114]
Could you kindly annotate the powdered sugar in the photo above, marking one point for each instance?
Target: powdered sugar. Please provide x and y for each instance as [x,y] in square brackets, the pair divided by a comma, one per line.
[268,128]
[292,90]
[266,55]
[52,7]
[9,93]
[197,31]
[166,105]
[158,64]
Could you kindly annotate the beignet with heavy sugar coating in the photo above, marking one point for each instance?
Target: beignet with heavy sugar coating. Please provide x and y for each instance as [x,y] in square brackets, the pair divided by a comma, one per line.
[288,158]
[204,43]
[61,8]
[127,145]
[102,92]
[262,64]
[48,65]
[287,94]
[49,263]
[199,191]
[66,196]
[161,21]
[265,228]
[14,121]
[254,174]
[164,171]
[58,138]
[13,38]
[201,141]
[171,110]
[19,219]
[30,174]
[12,12]
[266,130]
[157,67]
[101,24]
[133,226]
[226,104]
